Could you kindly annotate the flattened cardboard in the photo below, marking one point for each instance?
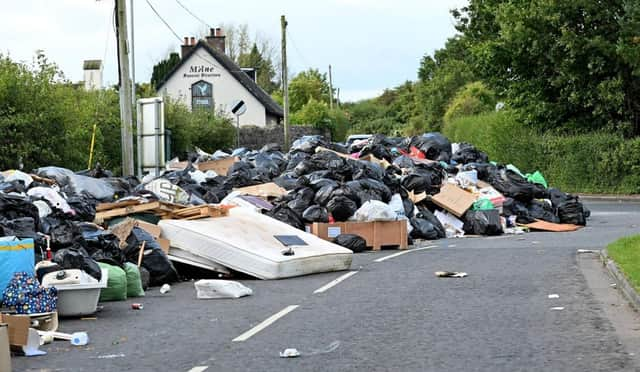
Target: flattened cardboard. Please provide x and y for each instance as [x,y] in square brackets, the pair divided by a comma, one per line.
[18,328]
[553,227]
[5,354]
[265,190]
[454,199]
[165,244]
[221,167]
[153,230]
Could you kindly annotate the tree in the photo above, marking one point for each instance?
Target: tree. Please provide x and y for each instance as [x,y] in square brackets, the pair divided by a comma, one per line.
[569,64]
[162,68]
[265,72]
[308,85]
[474,98]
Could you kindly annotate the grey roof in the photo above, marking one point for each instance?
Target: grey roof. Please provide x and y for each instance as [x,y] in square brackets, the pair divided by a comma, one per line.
[271,106]
[92,64]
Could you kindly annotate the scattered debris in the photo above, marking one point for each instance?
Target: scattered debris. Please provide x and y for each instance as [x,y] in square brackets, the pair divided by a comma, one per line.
[552,296]
[450,274]
[111,356]
[579,251]
[289,353]
[165,288]
[211,289]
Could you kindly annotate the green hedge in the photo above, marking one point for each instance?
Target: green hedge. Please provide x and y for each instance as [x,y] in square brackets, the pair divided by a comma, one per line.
[591,163]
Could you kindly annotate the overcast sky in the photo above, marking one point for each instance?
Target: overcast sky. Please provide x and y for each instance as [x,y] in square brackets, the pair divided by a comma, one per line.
[371,44]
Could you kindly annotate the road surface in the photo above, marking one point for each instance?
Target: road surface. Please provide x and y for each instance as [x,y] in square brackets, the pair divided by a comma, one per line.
[390,313]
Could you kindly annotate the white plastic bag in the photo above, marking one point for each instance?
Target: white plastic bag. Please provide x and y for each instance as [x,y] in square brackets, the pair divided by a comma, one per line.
[207,289]
[375,210]
[397,206]
[16,175]
[52,196]
[167,191]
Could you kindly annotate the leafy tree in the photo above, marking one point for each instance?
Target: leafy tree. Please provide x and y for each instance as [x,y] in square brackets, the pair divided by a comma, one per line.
[162,68]
[308,85]
[562,63]
[474,98]
[265,72]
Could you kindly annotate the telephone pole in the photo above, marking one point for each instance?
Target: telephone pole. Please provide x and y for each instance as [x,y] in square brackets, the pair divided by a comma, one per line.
[285,81]
[126,117]
[330,89]
[133,58]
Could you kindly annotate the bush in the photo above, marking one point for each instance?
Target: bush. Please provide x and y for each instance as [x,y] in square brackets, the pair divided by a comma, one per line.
[596,162]
[200,128]
[474,98]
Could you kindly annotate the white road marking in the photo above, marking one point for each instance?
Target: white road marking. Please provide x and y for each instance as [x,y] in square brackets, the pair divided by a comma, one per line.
[198,369]
[267,322]
[403,252]
[335,281]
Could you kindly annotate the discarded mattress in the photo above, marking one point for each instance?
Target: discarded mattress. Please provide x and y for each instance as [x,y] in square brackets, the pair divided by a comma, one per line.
[246,241]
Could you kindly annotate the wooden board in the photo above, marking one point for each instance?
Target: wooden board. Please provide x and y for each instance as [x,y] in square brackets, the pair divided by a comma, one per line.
[265,190]
[376,233]
[553,227]
[454,199]
[221,167]
[121,204]
[200,211]
[162,209]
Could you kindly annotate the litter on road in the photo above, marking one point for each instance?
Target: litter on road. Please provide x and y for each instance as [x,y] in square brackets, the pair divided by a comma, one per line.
[69,240]
[451,274]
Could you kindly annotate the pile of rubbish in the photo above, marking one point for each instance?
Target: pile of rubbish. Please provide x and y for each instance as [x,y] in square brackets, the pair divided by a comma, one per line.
[441,189]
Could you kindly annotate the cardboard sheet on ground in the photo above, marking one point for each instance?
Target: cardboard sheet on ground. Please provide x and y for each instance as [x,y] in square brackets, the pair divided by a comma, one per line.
[553,227]
[454,199]
[245,241]
[266,190]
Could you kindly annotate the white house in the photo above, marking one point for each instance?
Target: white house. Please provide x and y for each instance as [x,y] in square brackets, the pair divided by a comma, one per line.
[207,79]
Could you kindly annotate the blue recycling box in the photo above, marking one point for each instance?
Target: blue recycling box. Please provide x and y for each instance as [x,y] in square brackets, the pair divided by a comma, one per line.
[15,255]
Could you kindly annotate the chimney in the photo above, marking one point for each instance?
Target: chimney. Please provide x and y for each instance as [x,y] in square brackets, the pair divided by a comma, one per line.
[186,47]
[216,39]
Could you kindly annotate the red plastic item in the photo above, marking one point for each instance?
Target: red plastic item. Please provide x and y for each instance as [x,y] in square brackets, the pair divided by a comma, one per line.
[416,153]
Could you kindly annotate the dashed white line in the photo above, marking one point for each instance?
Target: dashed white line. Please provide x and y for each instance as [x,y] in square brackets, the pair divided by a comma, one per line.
[335,281]
[267,322]
[198,369]
[403,252]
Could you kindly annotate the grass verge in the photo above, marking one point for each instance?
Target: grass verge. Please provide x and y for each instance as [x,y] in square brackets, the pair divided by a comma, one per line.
[626,254]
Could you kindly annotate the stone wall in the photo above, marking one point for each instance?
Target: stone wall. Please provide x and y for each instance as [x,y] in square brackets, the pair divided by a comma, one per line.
[255,137]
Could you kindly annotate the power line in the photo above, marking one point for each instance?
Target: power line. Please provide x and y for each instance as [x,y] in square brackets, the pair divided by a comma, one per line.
[295,46]
[193,15]
[163,21]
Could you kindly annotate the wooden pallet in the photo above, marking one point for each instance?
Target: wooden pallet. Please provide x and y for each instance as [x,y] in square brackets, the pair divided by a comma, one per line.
[199,211]
[376,233]
[159,208]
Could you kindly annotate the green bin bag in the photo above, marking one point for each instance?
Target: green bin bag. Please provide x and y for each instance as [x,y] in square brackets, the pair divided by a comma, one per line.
[134,284]
[116,285]
[483,204]
[538,178]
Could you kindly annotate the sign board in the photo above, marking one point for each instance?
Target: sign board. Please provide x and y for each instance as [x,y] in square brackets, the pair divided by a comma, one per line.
[151,141]
[238,107]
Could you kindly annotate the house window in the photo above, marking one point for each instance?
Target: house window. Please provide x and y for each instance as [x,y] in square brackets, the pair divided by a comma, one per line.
[202,96]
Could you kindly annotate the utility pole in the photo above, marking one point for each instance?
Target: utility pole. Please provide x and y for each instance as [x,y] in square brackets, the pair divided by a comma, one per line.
[285,81]
[330,89]
[126,117]
[338,98]
[133,58]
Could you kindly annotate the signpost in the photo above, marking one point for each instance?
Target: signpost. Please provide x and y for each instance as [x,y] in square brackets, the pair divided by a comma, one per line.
[238,108]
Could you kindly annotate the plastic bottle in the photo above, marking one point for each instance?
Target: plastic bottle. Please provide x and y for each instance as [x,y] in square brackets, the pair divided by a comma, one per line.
[79,338]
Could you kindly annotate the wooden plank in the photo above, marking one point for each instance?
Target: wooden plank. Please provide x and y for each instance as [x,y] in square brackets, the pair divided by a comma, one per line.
[131,209]
[141,253]
[121,204]
[553,227]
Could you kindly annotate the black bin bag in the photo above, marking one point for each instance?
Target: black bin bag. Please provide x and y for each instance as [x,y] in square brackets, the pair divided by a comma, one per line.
[351,241]
[485,222]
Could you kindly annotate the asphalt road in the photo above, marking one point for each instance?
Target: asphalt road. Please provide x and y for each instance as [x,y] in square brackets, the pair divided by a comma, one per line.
[392,315]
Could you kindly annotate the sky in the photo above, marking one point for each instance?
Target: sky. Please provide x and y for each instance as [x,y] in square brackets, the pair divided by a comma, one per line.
[370,44]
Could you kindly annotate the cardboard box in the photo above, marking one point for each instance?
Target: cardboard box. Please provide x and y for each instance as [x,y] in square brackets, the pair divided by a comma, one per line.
[454,199]
[221,167]
[18,327]
[376,233]
[265,190]
[5,354]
